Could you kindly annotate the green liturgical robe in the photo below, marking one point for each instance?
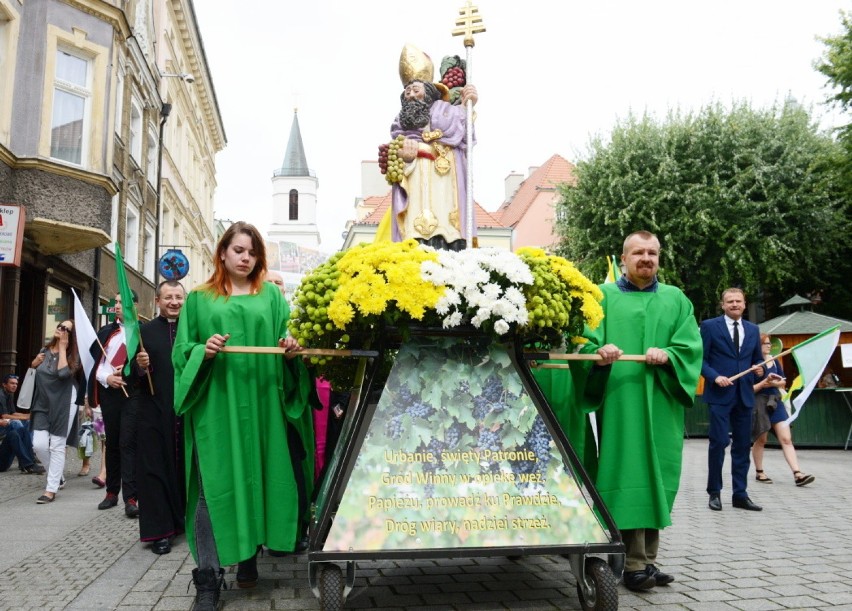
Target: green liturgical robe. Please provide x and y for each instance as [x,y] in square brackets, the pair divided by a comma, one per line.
[558,388]
[640,407]
[236,407]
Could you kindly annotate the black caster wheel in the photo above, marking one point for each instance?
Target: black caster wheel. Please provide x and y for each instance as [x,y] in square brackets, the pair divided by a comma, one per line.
[602,593]
[331,588]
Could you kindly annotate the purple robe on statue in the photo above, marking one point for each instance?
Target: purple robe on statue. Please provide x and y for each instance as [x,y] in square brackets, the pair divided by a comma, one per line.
[452,121]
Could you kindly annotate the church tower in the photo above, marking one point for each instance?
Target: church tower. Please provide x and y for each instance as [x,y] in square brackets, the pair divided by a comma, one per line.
[294,196]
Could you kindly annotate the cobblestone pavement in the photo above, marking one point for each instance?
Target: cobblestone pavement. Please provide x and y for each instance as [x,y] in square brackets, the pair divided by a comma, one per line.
[793,555]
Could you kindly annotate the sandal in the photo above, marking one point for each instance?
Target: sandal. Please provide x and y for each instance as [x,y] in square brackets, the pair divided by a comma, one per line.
[763,479]
[802,479]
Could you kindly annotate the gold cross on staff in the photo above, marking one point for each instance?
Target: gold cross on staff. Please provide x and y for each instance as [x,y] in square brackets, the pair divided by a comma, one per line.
[469,23]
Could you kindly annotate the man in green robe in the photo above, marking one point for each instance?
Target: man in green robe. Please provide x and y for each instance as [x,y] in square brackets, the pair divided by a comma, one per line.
[640,404]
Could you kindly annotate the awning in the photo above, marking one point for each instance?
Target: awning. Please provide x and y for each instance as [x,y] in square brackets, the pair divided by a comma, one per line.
[55,237]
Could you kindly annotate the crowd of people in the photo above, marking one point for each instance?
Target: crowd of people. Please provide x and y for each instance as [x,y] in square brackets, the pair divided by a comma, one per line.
[219,444]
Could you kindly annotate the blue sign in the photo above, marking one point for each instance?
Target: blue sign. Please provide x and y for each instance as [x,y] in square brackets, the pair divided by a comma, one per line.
[173,265]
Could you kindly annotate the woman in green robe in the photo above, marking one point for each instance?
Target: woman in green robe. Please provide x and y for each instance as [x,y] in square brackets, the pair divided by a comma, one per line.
[241,488]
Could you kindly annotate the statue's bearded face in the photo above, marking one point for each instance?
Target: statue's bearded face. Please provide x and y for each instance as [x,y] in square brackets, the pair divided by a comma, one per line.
[414,114]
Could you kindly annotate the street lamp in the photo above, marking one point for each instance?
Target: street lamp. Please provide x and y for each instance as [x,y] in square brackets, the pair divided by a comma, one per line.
[184,76]
[165,111]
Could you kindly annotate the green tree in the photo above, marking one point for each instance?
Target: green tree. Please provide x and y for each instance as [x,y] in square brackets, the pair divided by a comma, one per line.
[836,66]
[743,197]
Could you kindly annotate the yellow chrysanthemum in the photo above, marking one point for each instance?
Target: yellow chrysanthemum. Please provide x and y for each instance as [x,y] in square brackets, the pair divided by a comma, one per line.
[375,275]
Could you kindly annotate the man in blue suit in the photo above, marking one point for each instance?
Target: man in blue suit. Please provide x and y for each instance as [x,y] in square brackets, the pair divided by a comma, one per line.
[731,345]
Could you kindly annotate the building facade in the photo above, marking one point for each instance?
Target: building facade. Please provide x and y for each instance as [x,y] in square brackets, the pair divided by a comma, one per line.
[83,90]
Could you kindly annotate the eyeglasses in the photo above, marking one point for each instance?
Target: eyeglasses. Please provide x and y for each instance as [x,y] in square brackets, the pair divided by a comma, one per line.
[767,343]
[62,328]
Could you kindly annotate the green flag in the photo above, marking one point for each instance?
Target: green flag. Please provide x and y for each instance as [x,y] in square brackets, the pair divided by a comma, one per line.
[128,307]
[811,357]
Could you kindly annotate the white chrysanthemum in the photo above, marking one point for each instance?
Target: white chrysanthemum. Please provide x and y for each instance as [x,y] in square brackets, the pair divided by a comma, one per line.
[473,282]
[453,320]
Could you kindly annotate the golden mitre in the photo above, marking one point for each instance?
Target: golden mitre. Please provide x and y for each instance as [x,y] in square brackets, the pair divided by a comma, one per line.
[414,64]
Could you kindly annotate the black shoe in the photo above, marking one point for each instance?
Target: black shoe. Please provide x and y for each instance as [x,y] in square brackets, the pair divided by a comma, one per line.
[111,500]
[247,573]
[207,585]
[161,546]
[302,545]
[131,508]
[638,581]
[61,482]
[715,502]
[745,503]
[662,579]
[33,469]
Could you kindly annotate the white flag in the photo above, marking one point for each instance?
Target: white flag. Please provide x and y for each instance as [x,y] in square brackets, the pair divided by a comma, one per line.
[811,357]
[86,335]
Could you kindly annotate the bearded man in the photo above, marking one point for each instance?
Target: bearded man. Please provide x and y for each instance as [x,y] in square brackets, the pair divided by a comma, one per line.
[429,203]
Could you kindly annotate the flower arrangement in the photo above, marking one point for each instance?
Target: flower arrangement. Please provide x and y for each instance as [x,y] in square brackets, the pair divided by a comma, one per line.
[354,293]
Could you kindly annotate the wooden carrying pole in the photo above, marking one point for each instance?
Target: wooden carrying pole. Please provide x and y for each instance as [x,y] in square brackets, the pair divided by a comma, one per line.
[303,352]
[573,356]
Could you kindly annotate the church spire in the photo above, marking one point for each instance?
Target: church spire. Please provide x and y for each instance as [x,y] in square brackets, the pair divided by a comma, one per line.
[295,163]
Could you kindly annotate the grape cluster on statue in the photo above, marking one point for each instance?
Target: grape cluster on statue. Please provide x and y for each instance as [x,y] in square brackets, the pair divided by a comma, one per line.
[425,161]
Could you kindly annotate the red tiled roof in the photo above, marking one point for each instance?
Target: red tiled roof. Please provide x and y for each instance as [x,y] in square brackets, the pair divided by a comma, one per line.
[381,204]
[555,171]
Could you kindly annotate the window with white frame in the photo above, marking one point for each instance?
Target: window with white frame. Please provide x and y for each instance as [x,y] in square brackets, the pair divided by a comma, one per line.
[151,170]
[166,224]
[119,101]
[72,93]
[136,130]
[113,222]
[148,254]
[5,26]
[131,237]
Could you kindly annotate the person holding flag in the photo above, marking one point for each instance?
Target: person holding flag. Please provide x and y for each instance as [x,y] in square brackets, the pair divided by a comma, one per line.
[107,389]
[731,345]
[769,413]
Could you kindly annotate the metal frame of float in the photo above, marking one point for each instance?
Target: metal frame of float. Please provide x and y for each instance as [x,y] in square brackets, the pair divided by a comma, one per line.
[331,584]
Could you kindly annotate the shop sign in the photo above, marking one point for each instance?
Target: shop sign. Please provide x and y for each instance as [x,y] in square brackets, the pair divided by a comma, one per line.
[12,219]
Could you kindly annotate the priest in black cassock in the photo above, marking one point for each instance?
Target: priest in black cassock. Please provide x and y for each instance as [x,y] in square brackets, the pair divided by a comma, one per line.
[159,432]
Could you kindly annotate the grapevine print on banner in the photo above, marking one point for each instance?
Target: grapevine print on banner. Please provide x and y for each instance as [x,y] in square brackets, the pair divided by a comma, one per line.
[456,455]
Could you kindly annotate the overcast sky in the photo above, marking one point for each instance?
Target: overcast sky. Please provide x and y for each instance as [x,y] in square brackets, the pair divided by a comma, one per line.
[550,73]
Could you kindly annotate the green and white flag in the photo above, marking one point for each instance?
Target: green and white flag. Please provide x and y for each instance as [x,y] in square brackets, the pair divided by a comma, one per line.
[128,307]
[811,357]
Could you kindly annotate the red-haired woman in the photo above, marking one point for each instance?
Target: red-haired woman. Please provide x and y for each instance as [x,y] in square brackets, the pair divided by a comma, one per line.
[241,485]
[57,375]
[770,413]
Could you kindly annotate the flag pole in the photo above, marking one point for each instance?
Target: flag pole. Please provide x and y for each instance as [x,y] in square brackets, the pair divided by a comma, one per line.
[784,353]
[468,24]
[103,351]
[766,362]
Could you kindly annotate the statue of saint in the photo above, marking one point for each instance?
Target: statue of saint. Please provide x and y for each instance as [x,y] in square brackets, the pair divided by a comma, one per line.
[429,200]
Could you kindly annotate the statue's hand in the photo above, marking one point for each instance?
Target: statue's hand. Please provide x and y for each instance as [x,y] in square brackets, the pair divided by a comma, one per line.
[409,150]
[469,93]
